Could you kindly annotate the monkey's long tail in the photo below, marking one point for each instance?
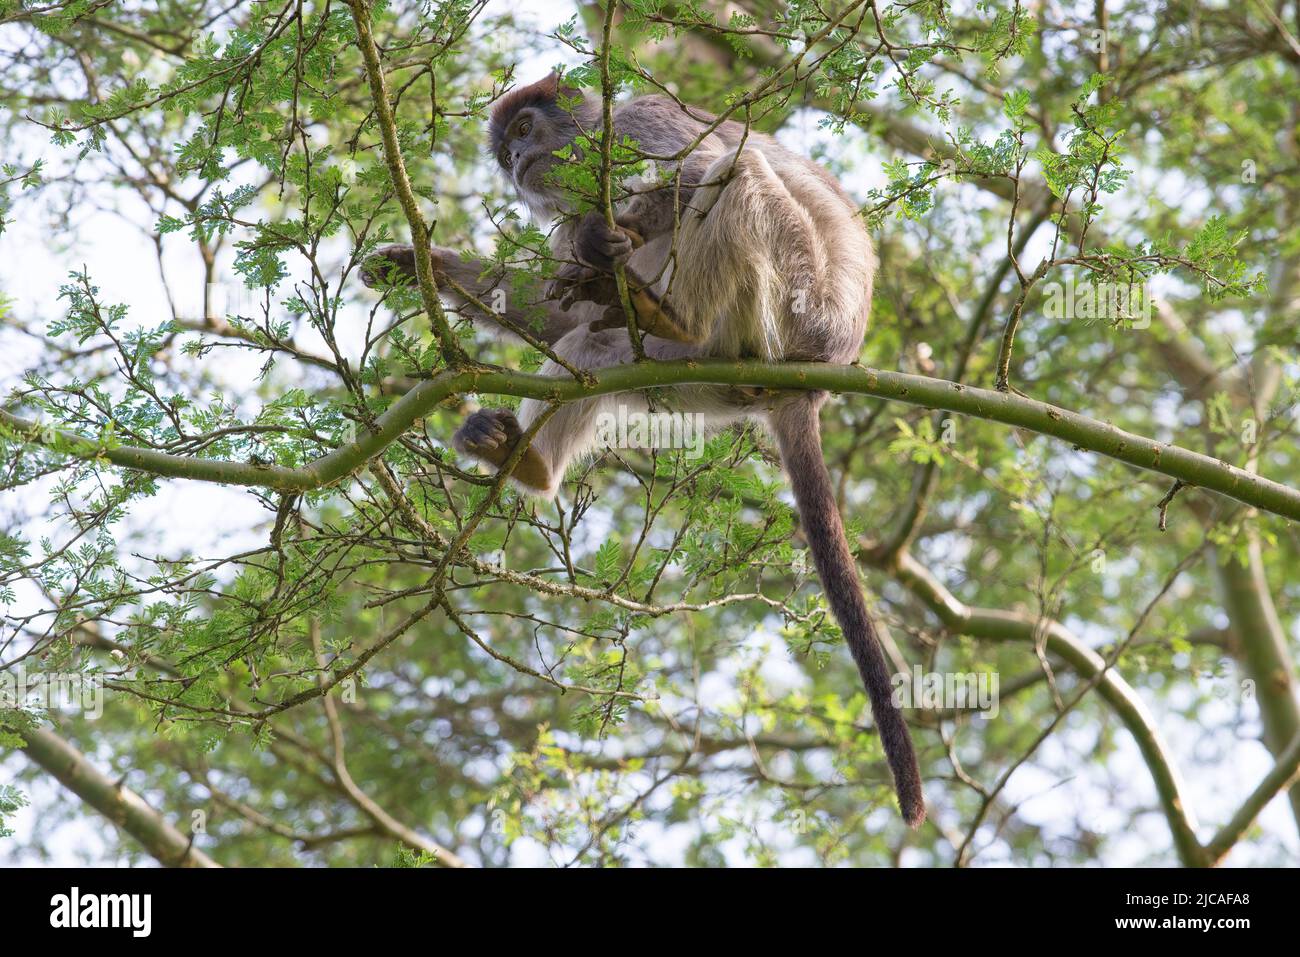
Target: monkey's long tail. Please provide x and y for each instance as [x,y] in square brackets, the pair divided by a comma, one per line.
[798,434]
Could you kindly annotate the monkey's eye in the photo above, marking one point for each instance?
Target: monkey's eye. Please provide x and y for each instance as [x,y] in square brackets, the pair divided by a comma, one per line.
[505,158]
[525,127]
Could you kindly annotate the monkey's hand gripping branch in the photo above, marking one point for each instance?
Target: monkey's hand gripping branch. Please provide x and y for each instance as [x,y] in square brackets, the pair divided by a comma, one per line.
[602,250]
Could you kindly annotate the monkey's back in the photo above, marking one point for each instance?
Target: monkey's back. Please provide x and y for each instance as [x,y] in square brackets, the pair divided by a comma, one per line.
[772,259]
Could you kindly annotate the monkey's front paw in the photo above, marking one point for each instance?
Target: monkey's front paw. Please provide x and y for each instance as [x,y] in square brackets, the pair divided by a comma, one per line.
[600,245]
[390,264]
[488,434]
[633,225]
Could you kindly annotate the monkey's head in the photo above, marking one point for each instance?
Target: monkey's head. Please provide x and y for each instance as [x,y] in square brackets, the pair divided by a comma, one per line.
[528,125]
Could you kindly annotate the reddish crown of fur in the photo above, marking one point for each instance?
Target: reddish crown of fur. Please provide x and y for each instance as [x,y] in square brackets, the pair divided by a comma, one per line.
[543,93]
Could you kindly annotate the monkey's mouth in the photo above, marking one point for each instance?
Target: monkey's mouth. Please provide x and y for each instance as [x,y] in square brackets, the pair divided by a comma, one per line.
[522,169]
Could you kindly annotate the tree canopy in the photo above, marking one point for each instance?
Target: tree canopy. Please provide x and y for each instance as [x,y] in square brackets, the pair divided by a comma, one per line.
[257,611]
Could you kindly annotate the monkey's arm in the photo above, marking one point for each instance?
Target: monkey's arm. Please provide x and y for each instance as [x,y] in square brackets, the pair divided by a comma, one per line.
[598,247]
[488,295]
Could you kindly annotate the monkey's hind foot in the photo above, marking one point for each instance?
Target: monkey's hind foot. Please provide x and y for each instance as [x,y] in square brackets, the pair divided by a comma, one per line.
[491,435]
[488,434]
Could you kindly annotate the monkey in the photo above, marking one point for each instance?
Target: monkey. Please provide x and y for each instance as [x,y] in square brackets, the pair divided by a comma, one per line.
[744,249]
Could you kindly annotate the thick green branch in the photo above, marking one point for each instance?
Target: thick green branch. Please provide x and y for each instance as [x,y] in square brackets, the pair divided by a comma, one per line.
[119,804]
[1079,430]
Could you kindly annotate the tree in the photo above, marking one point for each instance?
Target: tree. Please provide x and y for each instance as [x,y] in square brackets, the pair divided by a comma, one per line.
[1068,453]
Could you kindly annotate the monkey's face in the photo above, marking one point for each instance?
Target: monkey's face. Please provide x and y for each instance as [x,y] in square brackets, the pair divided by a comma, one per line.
[526,151]
[528,125]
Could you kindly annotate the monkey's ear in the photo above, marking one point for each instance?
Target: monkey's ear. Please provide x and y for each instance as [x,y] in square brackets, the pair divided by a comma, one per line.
[549,85]
[556,90]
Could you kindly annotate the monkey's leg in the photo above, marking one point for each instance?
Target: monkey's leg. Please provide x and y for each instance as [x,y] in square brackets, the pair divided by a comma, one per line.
[733,255]
[491,434]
